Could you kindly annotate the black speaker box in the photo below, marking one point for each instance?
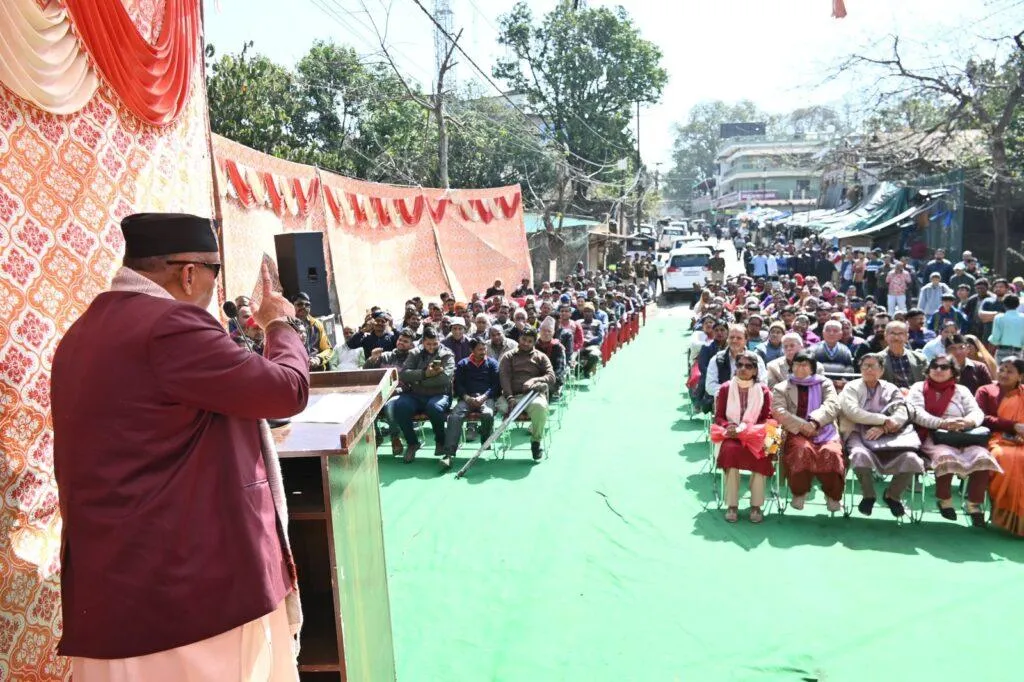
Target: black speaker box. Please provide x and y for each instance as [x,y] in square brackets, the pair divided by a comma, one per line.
[301,265]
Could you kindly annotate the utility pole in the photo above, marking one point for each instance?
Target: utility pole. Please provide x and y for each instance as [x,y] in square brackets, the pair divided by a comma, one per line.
[639,175]
[444,67]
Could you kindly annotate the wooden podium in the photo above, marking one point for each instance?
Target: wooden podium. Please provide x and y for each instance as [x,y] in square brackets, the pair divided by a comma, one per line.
[329,466]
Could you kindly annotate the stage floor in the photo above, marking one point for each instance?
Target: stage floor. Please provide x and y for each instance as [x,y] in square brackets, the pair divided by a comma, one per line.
[602,564]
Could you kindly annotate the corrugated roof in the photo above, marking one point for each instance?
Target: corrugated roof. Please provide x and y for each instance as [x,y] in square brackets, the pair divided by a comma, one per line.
[535,222]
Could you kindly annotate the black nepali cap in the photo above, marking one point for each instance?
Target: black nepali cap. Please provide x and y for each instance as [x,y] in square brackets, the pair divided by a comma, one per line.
[162,234]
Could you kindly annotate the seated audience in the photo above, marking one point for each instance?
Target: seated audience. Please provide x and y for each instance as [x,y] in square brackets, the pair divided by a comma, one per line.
[901,365]
[973,374]
[805,404]
[555,350]
[940,403]
[863,421]
[497,344]
[742,407]
[457,341]
[521,371]
[1003,406]
[427,373]
[476,387]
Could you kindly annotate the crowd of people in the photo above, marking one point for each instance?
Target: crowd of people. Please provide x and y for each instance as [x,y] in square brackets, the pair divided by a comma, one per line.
[467,363]
[886,364]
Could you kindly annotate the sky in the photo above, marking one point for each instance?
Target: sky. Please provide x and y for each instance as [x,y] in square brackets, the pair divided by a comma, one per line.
[776,53]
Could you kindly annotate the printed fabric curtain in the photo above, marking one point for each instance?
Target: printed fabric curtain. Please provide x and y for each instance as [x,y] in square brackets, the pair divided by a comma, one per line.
[53,56]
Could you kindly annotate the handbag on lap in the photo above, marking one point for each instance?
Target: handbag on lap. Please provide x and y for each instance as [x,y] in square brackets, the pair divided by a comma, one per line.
[901,441]
[961,439]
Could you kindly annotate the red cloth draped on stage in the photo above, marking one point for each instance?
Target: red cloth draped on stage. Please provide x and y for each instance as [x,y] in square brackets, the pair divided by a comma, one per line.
[151,79]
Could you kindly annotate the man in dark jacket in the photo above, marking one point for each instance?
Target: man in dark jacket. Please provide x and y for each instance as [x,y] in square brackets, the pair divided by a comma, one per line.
[477,386]
[428,372]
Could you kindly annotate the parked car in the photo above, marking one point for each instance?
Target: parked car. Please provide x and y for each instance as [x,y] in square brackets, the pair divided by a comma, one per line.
[687,271]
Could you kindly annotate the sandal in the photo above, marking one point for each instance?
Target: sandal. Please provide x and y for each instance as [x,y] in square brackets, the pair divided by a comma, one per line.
[756,515]
[732,514]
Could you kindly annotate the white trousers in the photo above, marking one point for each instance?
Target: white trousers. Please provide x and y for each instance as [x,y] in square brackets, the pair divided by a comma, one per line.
[259,651]
[897,303]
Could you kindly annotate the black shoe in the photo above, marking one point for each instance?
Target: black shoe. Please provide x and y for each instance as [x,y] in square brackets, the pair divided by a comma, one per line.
[446,461]
[895,506]
[537,452]
[866,505]
[948,513]
[977,519]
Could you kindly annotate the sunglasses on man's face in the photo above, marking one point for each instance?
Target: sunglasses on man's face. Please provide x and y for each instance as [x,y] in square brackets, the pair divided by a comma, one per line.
[213,267]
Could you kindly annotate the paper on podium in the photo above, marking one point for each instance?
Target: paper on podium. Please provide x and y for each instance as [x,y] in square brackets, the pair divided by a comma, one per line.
[332,408]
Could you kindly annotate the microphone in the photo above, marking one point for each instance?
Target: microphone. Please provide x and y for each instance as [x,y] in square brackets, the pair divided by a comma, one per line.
[231,310]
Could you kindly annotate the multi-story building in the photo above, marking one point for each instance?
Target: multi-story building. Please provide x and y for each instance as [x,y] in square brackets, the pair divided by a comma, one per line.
[781,173]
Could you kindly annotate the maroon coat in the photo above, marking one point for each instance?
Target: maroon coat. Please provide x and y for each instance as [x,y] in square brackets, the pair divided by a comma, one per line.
[170,533]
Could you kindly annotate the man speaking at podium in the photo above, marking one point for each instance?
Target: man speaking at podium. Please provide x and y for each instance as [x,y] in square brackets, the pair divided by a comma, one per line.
[175,561]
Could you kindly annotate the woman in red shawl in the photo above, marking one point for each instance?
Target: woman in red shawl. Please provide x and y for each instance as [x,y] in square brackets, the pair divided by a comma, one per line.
[742,407]
[940,403]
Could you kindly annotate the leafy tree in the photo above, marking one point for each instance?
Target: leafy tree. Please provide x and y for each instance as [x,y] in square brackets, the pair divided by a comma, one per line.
[332,89]
[252,101]
[582,71]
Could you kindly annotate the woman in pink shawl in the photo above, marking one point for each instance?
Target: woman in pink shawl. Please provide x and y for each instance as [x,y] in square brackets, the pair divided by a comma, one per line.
[741,409]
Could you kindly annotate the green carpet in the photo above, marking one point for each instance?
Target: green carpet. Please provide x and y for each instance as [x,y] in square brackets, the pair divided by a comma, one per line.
[601,563]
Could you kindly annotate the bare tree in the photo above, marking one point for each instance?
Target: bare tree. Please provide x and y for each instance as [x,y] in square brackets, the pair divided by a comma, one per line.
[982,97]
[436,103]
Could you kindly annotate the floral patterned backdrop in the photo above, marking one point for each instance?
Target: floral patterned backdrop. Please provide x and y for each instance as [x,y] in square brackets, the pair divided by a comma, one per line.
[65,183]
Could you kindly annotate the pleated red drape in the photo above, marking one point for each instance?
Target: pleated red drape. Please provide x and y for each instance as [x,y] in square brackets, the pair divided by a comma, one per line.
[151,79]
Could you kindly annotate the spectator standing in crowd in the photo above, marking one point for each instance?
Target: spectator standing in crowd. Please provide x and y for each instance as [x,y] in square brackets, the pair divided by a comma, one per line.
[717,266]
[993,306]
[428,372]
[1008,329]
[938,265]
[930,298]
[521,371]
[476,387]
[937,346]
[497,289]
[897,283]
[961,277]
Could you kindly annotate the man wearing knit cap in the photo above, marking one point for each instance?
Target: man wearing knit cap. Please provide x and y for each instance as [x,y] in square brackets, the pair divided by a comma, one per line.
[524,370]
[175,559]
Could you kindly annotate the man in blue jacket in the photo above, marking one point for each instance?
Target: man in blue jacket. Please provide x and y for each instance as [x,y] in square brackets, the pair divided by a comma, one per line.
[477,385]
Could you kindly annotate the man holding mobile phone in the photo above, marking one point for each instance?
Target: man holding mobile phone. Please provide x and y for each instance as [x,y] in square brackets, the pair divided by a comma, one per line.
[428,373]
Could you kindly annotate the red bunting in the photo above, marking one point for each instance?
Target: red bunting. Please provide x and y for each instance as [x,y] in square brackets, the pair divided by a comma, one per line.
[242,189]
[332,203]
[382,213]
[437,214]
[151,79]
[417,210]
[276,201]
[510,208]
[481,208]
[357,210]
